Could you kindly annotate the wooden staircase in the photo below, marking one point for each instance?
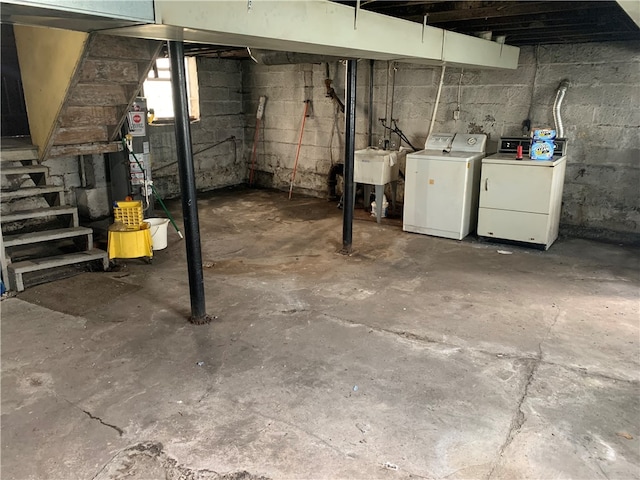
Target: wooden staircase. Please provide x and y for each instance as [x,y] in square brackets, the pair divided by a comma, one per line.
[105,84]
[40,234]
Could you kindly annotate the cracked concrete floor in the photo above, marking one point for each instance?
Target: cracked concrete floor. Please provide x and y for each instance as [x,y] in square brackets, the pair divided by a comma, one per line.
[417,357]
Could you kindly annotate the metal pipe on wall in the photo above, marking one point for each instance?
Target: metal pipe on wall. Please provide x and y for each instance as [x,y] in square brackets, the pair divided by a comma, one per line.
[387,137]
[393,97]
[187,183]
[349,155]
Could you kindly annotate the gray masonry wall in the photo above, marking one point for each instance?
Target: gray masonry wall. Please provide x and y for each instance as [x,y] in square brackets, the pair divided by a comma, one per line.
[286,88]
[221,121]
[600,113]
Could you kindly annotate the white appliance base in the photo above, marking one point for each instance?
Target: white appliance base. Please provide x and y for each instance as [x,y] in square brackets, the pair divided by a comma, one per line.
[526,227]
[434,232]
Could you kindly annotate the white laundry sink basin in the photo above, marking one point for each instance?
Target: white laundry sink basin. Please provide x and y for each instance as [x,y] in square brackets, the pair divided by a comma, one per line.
[377,167]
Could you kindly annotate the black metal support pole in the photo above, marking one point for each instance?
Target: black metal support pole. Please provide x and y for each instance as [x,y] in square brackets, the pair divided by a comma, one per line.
[187,183]
[349,146]
[370,138]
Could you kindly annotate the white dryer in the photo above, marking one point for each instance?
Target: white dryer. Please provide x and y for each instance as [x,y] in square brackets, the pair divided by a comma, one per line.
[520,200]
[442,185]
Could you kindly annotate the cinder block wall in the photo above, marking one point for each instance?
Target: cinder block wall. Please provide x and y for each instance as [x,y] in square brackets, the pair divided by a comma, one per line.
[600,113]
[221,122]
[286,88]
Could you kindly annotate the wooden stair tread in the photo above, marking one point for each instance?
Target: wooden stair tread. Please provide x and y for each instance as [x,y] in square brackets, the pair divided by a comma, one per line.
[45,236]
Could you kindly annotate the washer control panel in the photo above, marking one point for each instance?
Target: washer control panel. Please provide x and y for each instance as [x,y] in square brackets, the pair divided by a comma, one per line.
[439,141]
[469,142]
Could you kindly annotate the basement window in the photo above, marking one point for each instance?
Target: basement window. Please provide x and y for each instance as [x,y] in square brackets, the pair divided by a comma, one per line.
[157,90]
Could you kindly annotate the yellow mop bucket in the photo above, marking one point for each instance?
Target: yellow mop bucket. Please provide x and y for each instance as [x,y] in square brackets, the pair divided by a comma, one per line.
[129,236]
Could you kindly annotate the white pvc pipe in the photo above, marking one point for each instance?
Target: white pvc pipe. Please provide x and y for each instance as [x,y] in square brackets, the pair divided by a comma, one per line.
[435,107]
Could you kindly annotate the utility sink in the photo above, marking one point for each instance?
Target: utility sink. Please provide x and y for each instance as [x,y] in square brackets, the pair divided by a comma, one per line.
[377,167]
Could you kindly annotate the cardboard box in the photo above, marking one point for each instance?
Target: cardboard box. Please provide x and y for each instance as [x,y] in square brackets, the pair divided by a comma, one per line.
[541,150]
[543,134]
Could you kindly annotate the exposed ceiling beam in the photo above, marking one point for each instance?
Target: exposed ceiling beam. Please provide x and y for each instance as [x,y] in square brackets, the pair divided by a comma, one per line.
[599,16]
[509,9]
[462,12]
[548,19]
[573,38]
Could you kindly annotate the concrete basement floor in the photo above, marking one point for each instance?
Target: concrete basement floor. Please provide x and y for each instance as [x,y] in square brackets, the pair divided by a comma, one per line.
[416,357]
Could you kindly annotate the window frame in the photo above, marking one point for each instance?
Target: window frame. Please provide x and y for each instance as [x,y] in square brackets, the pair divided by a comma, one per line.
[161,73]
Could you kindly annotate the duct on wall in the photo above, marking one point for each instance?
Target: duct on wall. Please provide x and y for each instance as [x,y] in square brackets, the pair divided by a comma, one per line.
[557,104]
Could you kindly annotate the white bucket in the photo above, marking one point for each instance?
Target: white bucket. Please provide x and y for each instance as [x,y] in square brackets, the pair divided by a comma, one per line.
[158,227]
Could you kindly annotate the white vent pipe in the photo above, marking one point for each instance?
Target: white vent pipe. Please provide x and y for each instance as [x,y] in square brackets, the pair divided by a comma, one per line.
[435,107]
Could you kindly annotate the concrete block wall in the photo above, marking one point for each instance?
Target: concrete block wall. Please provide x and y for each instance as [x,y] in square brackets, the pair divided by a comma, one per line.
[286,88]
[65,172]
[600,114]
[93,199]
[221,121]
[91,194]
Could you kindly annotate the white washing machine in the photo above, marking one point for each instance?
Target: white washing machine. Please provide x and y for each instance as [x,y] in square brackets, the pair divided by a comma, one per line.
[442,185]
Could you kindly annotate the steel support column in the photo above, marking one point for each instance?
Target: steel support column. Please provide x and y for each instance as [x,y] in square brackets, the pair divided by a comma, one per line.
[349,145]
[187,183]
[370,108]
